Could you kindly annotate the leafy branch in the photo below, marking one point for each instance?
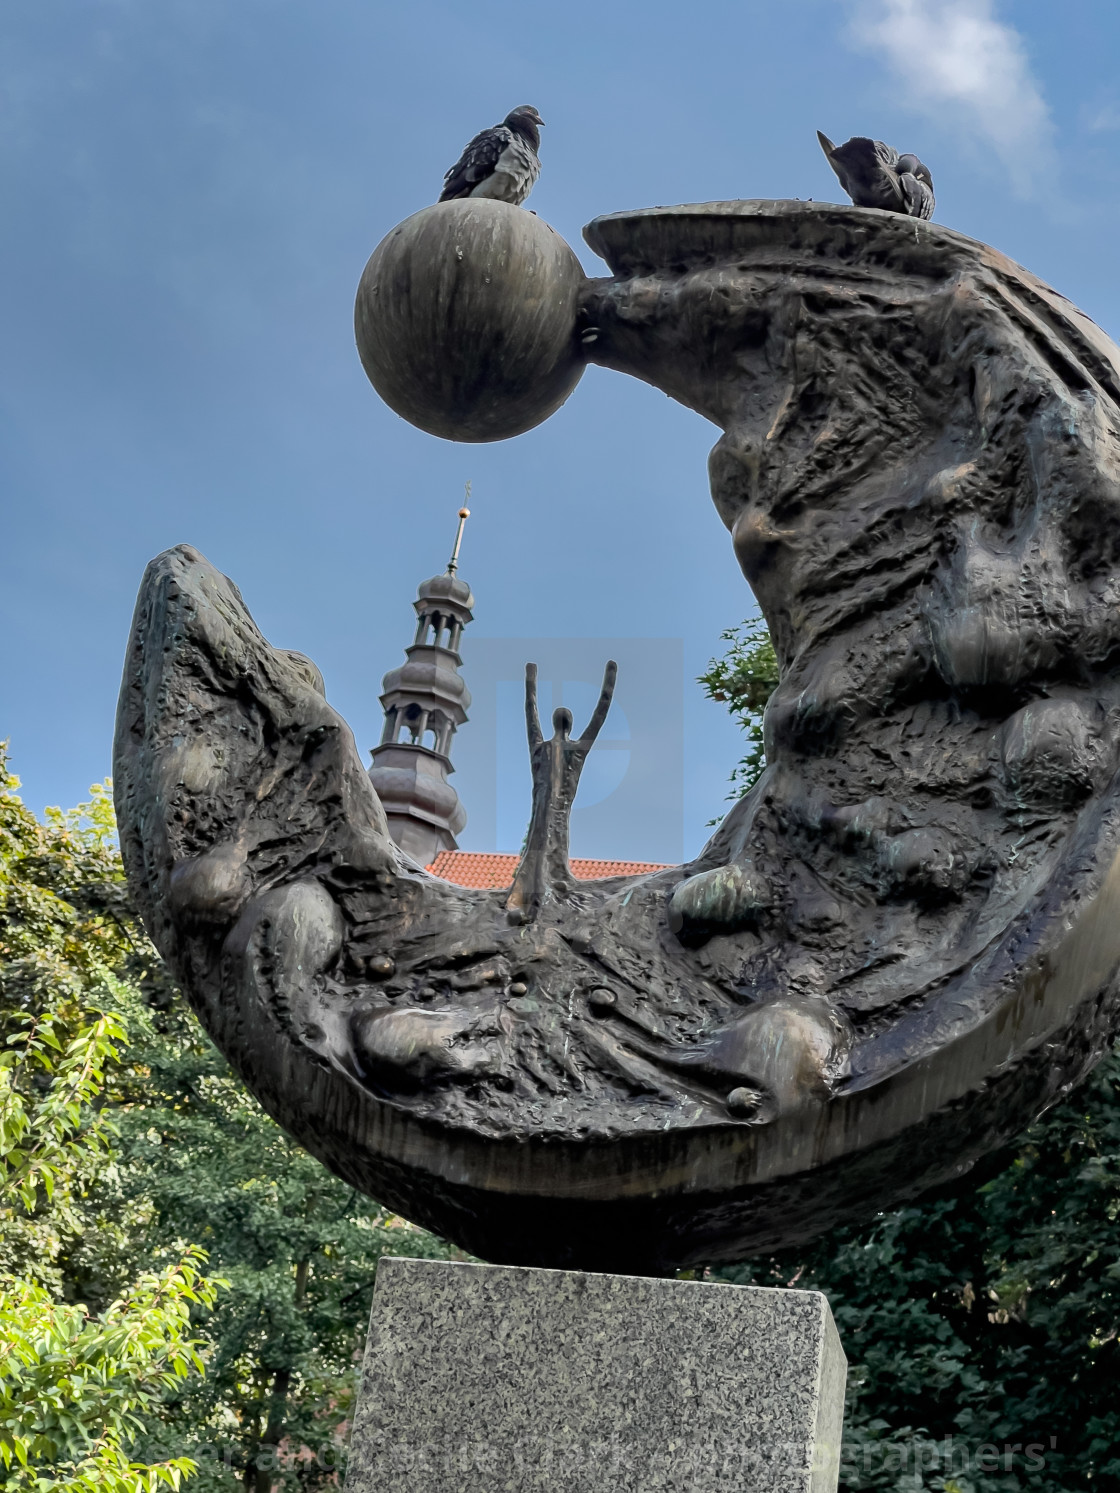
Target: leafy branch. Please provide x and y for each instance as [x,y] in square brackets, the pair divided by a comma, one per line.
[743,679]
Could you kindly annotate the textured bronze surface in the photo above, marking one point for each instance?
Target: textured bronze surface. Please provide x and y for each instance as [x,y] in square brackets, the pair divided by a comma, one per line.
[892,954]
[465,320]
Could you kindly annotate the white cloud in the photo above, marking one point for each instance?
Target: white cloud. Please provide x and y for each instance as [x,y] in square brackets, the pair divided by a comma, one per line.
[962,65]
[1105,117]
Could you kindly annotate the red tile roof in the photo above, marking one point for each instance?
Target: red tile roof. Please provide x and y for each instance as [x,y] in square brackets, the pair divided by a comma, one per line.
[474,868]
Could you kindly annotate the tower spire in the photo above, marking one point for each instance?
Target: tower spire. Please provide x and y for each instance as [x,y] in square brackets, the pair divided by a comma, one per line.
[425,702]
[464,514]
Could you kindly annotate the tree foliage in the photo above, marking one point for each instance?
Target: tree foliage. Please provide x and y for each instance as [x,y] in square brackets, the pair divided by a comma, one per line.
[77,1391]
[77,1386]
[743,679]
[298,1247]
[138,1149]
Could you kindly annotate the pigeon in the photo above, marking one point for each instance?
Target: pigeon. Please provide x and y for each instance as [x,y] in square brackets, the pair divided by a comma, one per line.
[500,162]
[875,175]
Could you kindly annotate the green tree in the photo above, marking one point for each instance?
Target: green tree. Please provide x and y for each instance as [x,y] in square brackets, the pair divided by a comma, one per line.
[743,679]
[78,1387]
[298,1247]
[185,1154]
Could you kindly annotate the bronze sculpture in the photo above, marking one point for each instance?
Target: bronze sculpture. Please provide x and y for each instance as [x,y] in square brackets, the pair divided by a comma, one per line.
[891,955]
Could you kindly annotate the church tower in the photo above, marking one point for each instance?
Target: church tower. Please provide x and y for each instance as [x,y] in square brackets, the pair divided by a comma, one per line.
[425,702]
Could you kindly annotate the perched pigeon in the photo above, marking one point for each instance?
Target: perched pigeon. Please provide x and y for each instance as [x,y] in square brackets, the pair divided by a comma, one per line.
[875,175]
[499,162]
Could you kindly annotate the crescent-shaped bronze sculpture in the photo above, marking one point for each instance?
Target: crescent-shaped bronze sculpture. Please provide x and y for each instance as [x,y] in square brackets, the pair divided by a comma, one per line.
[897,950]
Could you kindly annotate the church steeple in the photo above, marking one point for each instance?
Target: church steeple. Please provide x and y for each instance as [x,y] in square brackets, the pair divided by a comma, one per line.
[425,702]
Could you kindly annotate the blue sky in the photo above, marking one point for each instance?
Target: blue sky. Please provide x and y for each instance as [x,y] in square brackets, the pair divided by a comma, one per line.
[190,190]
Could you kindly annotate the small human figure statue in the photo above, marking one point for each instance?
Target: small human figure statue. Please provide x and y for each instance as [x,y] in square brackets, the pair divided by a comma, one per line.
[543,873]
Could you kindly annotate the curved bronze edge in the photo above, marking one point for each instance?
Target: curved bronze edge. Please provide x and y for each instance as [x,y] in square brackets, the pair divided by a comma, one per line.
[918,906]
[1078,970]
[656,1203]
[674,240]
[652,1200]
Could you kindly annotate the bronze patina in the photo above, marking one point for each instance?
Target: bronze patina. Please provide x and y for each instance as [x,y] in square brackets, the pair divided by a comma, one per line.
[893,953]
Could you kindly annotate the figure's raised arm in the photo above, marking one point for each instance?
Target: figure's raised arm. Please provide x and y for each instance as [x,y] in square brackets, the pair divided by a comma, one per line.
[595,724]
[532,717]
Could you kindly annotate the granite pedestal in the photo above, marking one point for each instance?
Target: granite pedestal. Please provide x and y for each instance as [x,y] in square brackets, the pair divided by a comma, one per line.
[480,1378]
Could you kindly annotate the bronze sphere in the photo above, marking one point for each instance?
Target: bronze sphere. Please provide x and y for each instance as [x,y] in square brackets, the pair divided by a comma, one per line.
[465,320]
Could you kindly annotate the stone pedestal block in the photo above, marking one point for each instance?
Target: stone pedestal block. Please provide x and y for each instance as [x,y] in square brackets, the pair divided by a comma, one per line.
[480,1378]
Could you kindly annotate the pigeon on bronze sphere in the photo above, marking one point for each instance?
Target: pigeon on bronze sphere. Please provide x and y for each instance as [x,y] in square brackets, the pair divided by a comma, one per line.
[500,162]
[875,175]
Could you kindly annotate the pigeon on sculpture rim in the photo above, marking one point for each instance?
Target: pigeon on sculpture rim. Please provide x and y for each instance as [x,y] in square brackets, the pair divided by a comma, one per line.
[500,162]
[874,175]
